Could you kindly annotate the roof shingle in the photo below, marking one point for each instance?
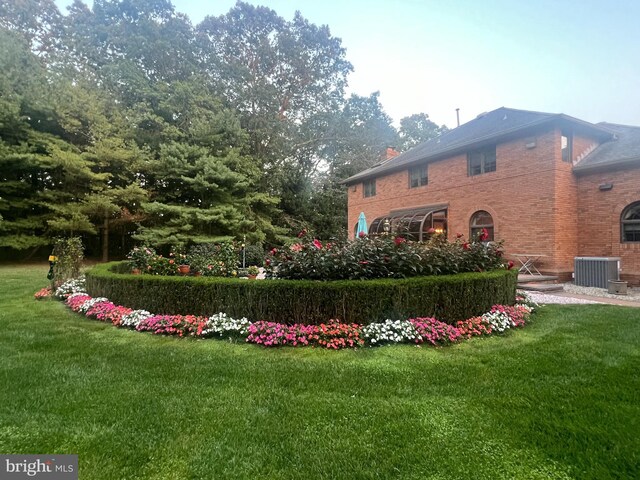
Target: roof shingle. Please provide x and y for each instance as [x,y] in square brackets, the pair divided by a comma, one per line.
[486,128]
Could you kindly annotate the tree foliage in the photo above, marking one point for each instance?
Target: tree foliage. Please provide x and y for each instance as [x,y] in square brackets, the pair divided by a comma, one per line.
[123,120]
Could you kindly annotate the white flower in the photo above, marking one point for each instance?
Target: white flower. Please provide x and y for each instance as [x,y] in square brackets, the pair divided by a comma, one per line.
[134,318]
[75,285]
[84,308]
[390,331]
[222,325]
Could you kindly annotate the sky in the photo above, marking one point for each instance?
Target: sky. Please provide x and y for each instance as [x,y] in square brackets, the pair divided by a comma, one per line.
[578,57]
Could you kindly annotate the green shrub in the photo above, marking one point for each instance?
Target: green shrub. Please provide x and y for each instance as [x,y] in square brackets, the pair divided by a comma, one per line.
[254,255]
[385,256]
[447,297]
[214,259]
[141,257]
[69,253]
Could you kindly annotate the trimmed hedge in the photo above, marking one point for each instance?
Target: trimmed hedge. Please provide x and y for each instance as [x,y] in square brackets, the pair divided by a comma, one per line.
[448,297]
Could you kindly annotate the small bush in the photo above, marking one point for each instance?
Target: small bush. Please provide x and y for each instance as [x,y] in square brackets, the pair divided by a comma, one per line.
[214,259]
[69,253]
[254,255]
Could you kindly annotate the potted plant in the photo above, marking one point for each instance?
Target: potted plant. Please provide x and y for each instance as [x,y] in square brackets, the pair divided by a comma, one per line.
[252,272]
[183,267]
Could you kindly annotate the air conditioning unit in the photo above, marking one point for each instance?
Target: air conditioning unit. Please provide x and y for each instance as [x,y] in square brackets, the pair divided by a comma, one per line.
[596,271]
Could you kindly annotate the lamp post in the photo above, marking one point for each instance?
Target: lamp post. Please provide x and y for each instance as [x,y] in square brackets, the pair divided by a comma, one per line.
[386,226]
[244,252]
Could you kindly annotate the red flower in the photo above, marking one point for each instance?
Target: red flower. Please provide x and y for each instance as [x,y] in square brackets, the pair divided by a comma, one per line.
[363,262]
[459,235]
[465,245]
[302,233]
[362,235]
[267,262]
[484,235]
[399,240]
[273,251]
[510,265]
[317,244]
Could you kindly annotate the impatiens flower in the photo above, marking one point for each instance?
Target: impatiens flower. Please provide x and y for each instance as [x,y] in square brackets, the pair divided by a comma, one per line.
[317,244]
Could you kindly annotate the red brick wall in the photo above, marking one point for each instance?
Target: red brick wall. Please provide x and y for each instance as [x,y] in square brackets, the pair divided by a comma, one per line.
[599,218]
[532,196]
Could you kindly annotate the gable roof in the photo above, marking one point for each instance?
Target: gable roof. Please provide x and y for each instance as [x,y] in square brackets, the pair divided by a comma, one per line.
[485,129]
[623,150]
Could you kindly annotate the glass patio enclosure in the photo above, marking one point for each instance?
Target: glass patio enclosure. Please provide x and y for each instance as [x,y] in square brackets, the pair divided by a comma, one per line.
[413,224]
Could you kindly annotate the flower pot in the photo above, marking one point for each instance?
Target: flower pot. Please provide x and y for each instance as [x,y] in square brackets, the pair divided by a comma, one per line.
[252,277]
[197,274]
[135,271]
[184,269]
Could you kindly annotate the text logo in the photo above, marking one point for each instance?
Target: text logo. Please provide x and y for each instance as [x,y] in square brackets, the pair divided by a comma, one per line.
[46,467]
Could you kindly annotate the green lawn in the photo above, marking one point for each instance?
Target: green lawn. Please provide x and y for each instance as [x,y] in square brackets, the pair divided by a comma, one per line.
[558,399]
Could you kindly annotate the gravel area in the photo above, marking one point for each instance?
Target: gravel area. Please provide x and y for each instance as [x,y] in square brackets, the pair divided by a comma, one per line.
[546,298]
[633,294]
[569,288]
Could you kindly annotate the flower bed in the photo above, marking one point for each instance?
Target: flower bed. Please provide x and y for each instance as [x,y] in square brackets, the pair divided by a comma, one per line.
[447,297]
[331,335]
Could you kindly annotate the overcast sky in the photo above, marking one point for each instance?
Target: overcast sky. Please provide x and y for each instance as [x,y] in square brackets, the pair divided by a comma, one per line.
[581,58]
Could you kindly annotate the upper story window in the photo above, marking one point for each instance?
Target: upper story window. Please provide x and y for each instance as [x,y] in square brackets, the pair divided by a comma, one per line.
[482,161]
[418,176]
[566,146]
[369,188]
[630,223]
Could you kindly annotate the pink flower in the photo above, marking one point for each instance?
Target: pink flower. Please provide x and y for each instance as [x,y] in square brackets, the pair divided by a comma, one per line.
[431,230]
[273,251]
[317,244]
[296,247]
[302,233]
[484,235]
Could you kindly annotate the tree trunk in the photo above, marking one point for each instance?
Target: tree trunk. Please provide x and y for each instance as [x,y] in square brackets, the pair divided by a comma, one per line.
[105,239]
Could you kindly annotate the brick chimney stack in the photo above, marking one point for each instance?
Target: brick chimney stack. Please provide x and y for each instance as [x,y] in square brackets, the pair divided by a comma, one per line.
[391,153]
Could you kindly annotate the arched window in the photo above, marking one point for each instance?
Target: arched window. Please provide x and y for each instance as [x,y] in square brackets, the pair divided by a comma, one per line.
[480,220]
[630,223]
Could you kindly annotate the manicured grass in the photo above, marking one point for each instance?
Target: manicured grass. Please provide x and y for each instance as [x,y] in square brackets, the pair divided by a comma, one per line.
[558,399]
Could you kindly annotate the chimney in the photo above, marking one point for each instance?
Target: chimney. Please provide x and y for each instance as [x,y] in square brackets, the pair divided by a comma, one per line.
[391,153]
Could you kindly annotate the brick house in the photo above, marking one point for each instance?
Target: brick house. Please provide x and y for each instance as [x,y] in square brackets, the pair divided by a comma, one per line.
[546,184]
